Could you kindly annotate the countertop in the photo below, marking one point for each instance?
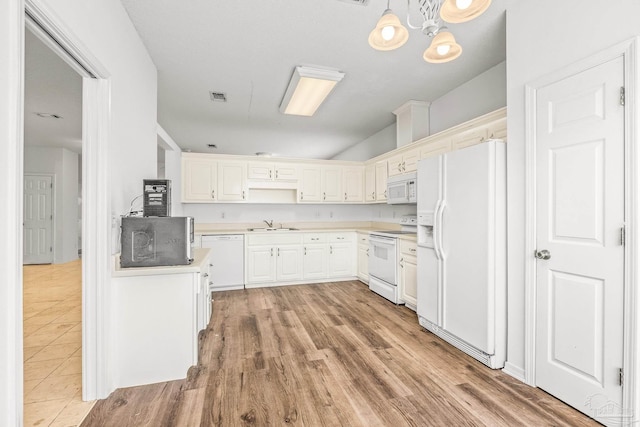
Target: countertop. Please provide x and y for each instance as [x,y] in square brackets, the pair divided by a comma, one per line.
[199,258]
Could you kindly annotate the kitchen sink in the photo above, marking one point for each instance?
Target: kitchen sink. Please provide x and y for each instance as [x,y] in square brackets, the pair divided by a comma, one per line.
[271,229]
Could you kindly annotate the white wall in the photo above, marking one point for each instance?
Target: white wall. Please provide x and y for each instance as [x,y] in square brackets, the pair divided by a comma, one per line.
[64,165]
[378,143]
[483,94]
[533,51]
[289,213]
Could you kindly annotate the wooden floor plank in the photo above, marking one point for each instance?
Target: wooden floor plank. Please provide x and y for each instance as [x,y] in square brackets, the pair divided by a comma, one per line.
[331,354]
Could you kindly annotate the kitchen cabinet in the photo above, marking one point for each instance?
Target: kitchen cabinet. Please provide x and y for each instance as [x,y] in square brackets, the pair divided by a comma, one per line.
[404,162]
[315,252]
[232,186]
[498,129]
[204,296]
[274,257]
[199,180]
[470,137]
[408,263]
[363,256]
[353,184]
[341,254]
[332,184]
[272,171]
[310,184]
[434,148]
[370,183]
[381,181]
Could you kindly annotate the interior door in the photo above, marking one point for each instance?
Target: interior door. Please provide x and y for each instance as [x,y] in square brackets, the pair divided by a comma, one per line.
[580,256]
[38,219]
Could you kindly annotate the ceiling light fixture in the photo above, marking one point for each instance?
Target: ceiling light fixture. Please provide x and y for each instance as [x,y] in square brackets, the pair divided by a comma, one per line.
[307,89]
[48,115]
[390,34]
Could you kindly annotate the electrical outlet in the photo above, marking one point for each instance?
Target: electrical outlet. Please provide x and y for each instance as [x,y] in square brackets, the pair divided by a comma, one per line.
[330,214]
[222,215]
[317,214]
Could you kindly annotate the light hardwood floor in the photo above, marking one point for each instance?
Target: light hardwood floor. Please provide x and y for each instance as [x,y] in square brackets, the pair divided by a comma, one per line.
[52,345]
[329,355]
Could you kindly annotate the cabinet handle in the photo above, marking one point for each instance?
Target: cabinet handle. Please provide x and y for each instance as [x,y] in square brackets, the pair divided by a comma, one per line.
[373,195]
[411,250]
[278,251]
[403,167]
[340,238]
[315,238]
[276,174]
[242,194]
[271,251]
[385,194]
[301,195]
[401,262]
[324,196]
[210,265]
[269,173]
[305,250]
[399,167]
[367,251]
[330,250]
[205,275]
[213,194]
[345,196]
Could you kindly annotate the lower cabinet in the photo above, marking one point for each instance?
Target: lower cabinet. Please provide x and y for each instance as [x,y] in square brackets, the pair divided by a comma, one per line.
[270,263]
[408,273]
[363,257]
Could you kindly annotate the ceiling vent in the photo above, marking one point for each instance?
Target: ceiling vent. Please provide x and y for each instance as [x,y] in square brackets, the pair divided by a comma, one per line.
[360,2]
[218,96]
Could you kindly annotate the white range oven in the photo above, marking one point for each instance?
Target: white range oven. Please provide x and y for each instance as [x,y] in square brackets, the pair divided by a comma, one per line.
[383,259]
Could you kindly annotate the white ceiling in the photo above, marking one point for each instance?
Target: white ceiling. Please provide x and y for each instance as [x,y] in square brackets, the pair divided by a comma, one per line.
[51,86]
[248,49]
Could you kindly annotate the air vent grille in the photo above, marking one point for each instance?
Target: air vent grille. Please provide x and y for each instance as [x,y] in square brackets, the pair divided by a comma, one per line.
[360,2]
[218,96]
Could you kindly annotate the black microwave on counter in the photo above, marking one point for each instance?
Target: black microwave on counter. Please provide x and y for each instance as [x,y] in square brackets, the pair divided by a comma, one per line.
[156,241]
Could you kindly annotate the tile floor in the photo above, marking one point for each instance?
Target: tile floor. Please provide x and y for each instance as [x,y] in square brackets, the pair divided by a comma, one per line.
[52,345]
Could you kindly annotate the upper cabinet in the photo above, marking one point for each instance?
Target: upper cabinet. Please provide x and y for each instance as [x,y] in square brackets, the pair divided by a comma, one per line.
[353,184]
[310,184]
[381,181]
[199,180]
[434,148]
[404,162]
[232,185]
[272,171]
[332,184]
[370,183]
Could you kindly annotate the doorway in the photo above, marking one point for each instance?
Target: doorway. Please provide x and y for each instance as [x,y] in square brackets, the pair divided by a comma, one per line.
[38,219]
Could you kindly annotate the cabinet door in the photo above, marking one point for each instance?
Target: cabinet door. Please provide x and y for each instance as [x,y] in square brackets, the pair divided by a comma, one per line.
[332,184]
[314,264]
[498,129]
[370,183]
[353,184]
[469,138]
[395,165]
[285,172]
[409,280]
[410,160]
[363,263]
[261,264]
[341,256]
[310,185]
[231,181]
[199,180]
[289,263]
[435,148]
[381,181]
[260,170]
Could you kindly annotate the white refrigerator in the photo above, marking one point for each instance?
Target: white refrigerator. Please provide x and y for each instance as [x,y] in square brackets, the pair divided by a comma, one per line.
[462,249]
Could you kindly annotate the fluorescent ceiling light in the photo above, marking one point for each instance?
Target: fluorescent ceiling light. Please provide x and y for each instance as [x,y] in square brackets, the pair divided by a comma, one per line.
[307,89]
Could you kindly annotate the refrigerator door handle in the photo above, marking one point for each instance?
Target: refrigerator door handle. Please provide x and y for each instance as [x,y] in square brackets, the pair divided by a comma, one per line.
[438,241]
[436,230]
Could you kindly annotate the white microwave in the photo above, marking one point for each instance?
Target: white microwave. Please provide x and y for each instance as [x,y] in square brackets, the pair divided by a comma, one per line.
[402,189]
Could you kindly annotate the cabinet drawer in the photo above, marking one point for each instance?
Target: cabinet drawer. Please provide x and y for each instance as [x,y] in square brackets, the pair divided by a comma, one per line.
[315,237]
[274,238]
[340,237]
[363,238]
[408,247]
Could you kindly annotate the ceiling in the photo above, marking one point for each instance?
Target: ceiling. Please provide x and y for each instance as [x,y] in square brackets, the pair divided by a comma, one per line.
[248,50]
[52,87]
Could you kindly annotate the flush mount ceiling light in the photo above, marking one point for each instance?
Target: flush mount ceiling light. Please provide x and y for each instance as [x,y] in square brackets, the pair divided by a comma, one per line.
[307,89]
[389,33]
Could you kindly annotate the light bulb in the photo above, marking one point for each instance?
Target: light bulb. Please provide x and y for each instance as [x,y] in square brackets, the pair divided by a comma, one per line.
[443,49]
[388,32]
[463,4]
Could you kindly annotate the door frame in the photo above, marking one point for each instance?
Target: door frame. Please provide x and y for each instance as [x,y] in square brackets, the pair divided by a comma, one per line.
[53,211]
[630,51]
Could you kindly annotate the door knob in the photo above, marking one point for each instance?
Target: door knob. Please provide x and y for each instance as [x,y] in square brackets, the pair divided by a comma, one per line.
[543,254]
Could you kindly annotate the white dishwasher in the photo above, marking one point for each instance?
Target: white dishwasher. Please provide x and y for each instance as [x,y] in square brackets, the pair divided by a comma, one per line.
[227,261]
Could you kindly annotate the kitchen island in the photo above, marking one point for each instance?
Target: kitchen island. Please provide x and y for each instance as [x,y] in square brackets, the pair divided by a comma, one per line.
[157,314]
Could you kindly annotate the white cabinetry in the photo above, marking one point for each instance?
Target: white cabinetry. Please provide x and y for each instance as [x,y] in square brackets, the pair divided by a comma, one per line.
[310,184]
[274,257]
[272,171]
[404,162]
[370,183]
[341,254]
[353,184]
[332,184]
[381,181]
[315,252]
[408,264]
[363,256]
[434,148]
[232,185]
[199,180]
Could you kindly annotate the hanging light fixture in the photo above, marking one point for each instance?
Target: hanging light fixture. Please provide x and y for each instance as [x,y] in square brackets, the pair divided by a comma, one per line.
[443,47]
[389,33]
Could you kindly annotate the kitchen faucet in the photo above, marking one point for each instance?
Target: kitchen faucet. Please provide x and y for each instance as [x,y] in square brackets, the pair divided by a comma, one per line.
[269,223]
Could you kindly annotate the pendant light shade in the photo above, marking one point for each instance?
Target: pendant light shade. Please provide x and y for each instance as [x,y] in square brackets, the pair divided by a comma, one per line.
[443,48]
[389,33]
[456,11]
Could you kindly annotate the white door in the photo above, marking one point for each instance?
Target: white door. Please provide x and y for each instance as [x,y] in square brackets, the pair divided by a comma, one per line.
[579,215]
[289,263]
[38,219]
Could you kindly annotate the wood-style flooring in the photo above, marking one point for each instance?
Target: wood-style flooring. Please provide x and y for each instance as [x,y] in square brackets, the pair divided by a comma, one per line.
[331,354]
